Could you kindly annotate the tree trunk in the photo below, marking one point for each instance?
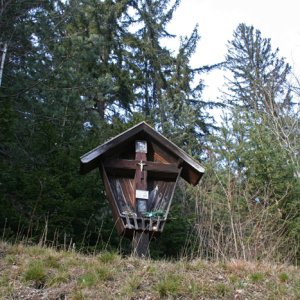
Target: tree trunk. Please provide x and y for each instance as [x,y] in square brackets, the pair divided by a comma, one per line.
[4,50]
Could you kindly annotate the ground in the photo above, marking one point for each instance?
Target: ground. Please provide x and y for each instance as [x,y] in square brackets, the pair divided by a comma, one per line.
[33,272]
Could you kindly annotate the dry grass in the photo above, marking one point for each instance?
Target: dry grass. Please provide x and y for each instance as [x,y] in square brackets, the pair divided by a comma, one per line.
[43,273]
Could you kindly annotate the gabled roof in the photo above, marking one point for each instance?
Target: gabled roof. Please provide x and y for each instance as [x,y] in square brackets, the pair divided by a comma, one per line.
[192,171]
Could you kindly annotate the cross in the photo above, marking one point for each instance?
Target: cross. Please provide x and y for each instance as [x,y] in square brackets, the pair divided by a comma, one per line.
[142,164]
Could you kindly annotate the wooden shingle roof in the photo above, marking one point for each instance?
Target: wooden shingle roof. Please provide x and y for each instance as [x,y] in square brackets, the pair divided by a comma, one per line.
[192,171]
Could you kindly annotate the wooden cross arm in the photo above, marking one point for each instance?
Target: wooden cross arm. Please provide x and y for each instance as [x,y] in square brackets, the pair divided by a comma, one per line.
[121,164]
[162,168]
[150,166]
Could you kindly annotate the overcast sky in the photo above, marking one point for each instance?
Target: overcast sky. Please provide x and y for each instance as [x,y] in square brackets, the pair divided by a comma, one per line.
[217,19]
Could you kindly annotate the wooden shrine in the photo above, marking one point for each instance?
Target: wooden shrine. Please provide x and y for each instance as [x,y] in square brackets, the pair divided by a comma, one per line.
[140,169]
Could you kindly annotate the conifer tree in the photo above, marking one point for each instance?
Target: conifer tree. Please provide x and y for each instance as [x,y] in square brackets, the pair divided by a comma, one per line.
[152,60]
[259,75]
[95,35]
[167,89]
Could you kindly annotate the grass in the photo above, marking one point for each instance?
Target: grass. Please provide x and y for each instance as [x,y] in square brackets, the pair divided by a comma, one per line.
[36,272]
[108,257]
[88,279]
[132,286]
[40,273]
[169,285]
[283,277]
[104,273]
[256,277]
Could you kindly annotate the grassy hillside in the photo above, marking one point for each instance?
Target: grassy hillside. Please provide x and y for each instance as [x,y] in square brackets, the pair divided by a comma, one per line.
[32,272]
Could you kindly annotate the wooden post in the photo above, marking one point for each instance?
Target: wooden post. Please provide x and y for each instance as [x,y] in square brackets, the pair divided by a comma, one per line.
[140,243]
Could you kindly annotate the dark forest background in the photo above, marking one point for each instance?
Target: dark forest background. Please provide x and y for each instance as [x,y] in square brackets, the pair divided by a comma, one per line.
[76,73]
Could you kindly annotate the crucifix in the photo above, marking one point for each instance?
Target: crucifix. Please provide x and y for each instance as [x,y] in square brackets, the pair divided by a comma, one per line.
[142,164]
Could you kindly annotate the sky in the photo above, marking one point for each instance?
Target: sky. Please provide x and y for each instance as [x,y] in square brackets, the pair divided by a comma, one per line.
[217,20]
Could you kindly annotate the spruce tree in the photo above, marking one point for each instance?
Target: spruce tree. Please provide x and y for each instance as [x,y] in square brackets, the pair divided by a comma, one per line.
[259,75]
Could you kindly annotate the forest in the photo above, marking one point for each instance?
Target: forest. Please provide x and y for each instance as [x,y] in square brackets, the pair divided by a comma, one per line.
[75,73]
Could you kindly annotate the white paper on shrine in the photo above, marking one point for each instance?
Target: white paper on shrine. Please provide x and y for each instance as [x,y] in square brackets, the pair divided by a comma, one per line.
[140,194]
